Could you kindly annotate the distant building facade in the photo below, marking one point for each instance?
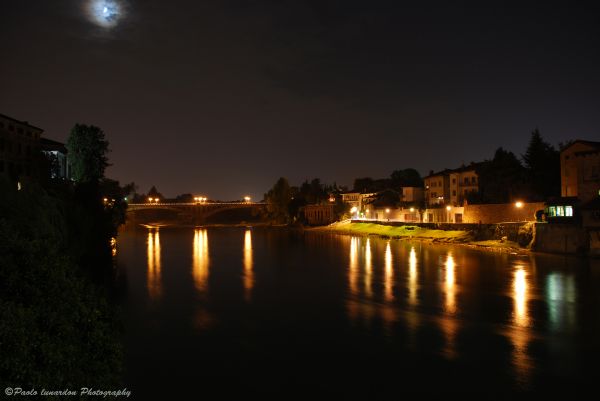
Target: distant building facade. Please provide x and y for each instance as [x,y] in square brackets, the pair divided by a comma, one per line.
[356,199]
[580,170]
[317,215]
[412,194]
[451,187]
[19,148]
[56,152]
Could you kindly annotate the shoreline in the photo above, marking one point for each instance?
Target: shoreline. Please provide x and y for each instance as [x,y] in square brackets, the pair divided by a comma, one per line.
[440,237]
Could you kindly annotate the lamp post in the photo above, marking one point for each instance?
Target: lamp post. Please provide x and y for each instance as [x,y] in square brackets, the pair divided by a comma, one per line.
[519,206]
[448,208]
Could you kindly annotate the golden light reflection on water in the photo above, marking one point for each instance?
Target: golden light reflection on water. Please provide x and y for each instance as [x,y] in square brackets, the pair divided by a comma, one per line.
[389,274]
[368,270]
[412,277]
[520,315]
[200,259]
[353,273]
[450,284]
[154,275]
[113,246]
[248,268]
[520,334]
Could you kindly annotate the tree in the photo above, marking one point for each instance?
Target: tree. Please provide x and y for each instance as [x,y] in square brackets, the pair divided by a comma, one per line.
[501,179]
[409,177]
[87,149]
[542,162]
[153,193]
[278,201]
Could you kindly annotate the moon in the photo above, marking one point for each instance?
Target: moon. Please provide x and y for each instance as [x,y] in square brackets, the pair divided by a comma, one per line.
[105,13]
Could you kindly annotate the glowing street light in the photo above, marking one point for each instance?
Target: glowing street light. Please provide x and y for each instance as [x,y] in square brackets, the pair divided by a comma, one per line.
[150,200]
[246,199]
[519,204]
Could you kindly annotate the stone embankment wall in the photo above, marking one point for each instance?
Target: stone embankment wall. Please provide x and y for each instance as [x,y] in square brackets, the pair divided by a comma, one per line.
[560,238]
[498,213]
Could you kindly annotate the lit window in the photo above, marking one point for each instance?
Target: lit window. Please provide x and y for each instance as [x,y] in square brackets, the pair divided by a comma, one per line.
[560,211]
[552,211]
[569,211]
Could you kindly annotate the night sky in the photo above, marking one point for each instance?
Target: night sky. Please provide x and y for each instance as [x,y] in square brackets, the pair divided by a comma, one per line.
[222,97]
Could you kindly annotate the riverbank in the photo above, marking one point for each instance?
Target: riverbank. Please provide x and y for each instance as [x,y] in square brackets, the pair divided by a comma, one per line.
[408,232]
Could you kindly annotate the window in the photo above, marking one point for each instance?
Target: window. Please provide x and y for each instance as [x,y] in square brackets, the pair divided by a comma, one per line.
[552,211]
[454,180]
[560,211]
[569,211]
[454,193]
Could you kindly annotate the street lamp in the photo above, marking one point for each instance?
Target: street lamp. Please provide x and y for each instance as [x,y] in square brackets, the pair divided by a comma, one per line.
[246,199]
[150,200]
[353,211]
[519,204]
[448,208]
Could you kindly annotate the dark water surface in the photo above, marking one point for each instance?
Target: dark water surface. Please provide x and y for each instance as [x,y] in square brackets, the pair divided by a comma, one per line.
[231,313]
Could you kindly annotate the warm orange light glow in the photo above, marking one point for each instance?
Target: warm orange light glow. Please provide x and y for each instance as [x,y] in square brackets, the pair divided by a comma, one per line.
[389,274]
[200,260]
[248,268]
[154,275]
[353,270]
[412,277]
[448,208]
[519,204]
[521,317]
[246,198]
[150,199]
[368,270]
[387,210]
[450,285]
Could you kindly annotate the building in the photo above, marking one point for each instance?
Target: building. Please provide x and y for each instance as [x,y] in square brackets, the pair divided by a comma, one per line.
[580,170]
[356,199]
[317,215]
[412,194]
[19,148]
[451,187]
[57,154]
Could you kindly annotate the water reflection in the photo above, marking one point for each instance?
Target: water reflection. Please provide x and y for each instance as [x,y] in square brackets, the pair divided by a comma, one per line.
[450,285]
[153,253]
[200,260]
[562,295]
[520,316]
[412,277]
[368,270]
[389,274]
[520,335]
[248,268]
[353,273]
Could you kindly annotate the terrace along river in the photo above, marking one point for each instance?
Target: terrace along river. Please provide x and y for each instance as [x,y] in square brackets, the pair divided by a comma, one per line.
[225,313]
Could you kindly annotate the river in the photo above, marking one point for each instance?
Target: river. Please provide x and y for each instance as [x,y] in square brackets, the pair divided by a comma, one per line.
[228,313]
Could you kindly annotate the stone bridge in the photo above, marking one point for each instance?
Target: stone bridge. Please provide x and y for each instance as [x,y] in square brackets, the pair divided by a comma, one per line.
[194,213]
